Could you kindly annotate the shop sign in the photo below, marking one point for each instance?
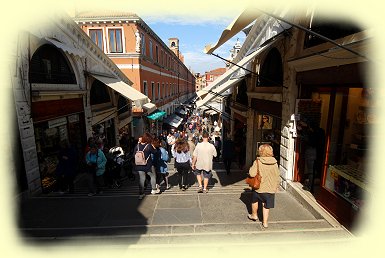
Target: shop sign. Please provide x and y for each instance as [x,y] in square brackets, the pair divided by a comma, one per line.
[57,122]
[73,118]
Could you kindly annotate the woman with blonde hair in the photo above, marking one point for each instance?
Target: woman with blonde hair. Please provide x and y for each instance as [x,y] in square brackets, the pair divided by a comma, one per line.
[268,169]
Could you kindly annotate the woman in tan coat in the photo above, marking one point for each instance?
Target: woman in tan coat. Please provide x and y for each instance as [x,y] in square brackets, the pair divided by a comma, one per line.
[268,169]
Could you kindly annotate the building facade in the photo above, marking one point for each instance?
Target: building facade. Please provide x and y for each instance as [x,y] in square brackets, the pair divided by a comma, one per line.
[65,90]
[212,75]
[156,69]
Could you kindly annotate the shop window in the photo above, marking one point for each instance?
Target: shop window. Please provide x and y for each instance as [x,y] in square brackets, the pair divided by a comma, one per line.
[49,65]
[96,36]
[332,29]
[99,93]
[344,117]
[271,73]
[115,40]
[350,138]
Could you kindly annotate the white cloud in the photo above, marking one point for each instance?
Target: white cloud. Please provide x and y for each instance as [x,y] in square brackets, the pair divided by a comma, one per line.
[187,20]
[200,62]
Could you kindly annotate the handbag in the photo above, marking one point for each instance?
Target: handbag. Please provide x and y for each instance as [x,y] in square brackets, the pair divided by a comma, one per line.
[254,182]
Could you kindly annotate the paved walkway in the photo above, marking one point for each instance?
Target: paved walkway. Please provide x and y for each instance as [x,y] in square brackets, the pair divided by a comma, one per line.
[175,216]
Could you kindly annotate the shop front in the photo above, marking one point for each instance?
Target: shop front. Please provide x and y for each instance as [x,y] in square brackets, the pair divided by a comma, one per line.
[336,114]
[62,121]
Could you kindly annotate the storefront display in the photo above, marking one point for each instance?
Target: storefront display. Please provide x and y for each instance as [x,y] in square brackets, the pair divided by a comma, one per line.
[48,136]
[345,115]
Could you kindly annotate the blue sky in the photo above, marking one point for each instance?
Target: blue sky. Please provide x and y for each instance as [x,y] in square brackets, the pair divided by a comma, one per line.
[194,35]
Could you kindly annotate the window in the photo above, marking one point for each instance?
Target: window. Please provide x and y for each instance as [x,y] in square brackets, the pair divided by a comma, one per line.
[49,65]
[115,40]
[99,93]
[145,88]
[143,45]
[96,36]
[152,91]
[122,105]
[161,57]
[333,29]
[158,90]
[151,52]
[271,72]
[163,90]
[157,54]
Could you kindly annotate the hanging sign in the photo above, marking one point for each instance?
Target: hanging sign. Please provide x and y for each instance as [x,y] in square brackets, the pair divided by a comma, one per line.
[57,122]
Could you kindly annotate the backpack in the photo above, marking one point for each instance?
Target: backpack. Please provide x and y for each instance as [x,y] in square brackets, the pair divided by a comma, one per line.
[164,154]
[140,158]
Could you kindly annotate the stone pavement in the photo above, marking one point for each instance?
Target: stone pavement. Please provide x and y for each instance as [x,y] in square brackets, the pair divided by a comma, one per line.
[175,217]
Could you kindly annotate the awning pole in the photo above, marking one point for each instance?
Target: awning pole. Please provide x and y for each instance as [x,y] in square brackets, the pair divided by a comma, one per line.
[315,34]
[224,59]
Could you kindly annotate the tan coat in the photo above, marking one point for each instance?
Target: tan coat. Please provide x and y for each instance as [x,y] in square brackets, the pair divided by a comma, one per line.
[268,168]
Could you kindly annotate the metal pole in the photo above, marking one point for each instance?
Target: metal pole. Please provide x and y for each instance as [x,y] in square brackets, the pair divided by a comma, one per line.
[315,34]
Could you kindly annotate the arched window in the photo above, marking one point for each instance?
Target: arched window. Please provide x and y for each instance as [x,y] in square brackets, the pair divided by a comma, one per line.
[122,105]
[242,93]
[49,65]
[99,93]
[271,73]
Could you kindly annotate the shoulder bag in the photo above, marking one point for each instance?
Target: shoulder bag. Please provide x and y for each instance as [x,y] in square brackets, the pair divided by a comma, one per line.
[254,182]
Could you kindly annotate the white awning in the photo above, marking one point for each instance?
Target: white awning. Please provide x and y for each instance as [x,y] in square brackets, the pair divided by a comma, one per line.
[149,107]
[211,112]
[122,87]
[65,48]
[218,89]
[244,19]
[232,72]
[173,120]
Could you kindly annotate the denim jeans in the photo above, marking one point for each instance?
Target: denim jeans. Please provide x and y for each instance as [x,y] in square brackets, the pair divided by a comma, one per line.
[142,178]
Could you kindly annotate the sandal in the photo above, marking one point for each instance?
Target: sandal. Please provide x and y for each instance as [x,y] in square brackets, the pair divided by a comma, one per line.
[263,226]
[251,218]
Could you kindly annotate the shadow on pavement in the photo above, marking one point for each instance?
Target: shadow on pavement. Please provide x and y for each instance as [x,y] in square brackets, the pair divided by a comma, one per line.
[54,217]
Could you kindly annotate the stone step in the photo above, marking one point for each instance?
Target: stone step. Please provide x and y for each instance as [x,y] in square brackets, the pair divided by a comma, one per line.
[178,234]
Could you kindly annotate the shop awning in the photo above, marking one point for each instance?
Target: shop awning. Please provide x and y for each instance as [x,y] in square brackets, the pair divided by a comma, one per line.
[244,19]
[149,107]
[181,111]
[218,89]
[173,120]
[157,115]
[65,48]
[121,87]
[233,72]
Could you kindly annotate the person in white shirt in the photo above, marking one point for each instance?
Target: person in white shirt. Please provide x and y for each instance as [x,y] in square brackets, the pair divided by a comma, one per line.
[202,162]
[182,156]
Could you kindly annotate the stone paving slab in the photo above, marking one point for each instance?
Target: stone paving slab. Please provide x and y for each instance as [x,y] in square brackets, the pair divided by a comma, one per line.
[177,216]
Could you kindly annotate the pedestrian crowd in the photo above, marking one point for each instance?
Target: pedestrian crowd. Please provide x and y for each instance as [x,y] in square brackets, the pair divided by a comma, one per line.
[194,149]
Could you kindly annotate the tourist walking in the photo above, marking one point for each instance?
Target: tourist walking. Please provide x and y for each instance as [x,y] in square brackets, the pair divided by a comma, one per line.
[228,151]
[96,165]
[268,169]
[202,162]
[143,163]
[67,167]
[183,160]
[160,160]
